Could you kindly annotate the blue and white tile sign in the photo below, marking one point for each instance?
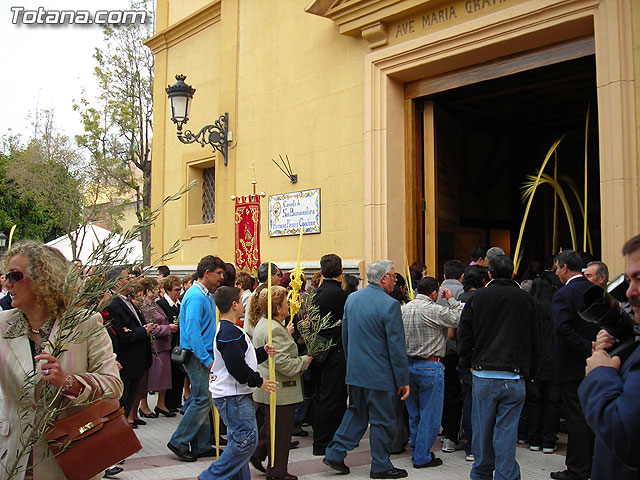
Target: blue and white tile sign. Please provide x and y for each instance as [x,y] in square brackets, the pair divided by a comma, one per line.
[288,212]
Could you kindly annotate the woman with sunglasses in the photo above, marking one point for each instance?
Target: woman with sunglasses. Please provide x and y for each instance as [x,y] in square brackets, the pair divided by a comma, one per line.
[86,370]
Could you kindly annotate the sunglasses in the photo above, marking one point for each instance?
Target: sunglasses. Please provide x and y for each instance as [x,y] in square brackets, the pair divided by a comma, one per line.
[14,277]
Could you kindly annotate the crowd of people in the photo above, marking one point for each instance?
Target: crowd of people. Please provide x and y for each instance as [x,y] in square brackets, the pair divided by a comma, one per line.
[483,360]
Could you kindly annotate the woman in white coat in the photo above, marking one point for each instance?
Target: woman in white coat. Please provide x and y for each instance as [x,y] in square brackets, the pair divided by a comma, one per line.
[87,370]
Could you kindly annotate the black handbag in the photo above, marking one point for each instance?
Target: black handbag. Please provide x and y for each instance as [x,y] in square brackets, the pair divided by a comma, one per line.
[180,355]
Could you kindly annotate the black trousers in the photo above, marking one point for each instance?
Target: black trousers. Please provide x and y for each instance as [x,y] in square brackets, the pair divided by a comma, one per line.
[173,398]
[580,437]
[330,393]
[131,378]
[452,408]
[401,436]
[543,412]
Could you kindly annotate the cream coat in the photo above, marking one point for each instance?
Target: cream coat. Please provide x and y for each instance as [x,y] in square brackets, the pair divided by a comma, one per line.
[288,364]
[92,362]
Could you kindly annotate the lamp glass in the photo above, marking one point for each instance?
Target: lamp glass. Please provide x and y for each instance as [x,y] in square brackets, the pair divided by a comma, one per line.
[3,240]
[180,105]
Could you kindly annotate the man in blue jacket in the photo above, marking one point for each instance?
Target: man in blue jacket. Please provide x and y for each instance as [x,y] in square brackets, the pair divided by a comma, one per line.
[197,330]
[377,369]
[610,391]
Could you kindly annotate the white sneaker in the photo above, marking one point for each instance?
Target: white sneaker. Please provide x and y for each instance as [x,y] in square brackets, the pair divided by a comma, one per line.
[469,457]
[534,448]
[449,446]
[549,449]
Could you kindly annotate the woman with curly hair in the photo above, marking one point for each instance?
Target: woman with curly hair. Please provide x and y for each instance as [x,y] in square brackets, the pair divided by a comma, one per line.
[86,370]
[289,366]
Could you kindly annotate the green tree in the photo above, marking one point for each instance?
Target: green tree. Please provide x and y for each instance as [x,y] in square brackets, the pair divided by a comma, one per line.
[118,126]
[67,191]
[30,220]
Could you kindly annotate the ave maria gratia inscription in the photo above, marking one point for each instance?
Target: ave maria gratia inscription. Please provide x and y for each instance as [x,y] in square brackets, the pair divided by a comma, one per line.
[446,15]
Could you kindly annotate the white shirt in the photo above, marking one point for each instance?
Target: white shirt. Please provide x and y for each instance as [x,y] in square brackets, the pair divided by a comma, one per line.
[169,301]
[575,276]
[128,303]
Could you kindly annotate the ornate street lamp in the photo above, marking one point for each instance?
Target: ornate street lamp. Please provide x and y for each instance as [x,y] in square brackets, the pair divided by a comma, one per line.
[3,241]
[217,135]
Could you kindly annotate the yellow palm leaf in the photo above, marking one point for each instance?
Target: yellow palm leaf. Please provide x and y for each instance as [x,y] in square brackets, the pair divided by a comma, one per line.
[518,254]
[574,189]
[563,199]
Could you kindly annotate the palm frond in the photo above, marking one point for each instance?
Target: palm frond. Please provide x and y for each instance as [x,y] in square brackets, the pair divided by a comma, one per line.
[518,254]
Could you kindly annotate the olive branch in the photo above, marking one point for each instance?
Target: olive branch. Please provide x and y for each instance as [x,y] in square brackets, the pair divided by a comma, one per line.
[83,298]
[312,324]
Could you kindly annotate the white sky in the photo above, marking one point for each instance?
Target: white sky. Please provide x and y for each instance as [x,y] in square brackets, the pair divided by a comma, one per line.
[47,65]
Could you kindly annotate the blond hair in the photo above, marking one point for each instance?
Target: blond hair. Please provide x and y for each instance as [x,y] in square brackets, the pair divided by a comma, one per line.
[47,269]
[259,302]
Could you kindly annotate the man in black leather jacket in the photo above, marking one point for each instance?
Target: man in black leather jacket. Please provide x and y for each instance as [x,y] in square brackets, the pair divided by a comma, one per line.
[496,341]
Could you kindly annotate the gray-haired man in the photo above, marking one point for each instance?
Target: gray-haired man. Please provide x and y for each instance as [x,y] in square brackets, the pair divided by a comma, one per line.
[377,369]
[597,273]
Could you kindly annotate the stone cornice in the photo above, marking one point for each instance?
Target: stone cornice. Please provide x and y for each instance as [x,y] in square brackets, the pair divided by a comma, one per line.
[366,18]
[354,16]
[185,28]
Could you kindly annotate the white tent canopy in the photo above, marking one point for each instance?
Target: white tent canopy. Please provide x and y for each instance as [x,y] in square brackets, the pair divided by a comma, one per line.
[93,236]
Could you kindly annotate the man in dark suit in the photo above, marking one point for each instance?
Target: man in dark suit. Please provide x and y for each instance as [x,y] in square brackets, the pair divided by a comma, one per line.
[329,373]
[5,302]
[170,305]
[573,337]
[377,369]
[134,346]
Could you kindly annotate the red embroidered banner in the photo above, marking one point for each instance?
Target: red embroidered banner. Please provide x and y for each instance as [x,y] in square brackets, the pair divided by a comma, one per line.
[248,232]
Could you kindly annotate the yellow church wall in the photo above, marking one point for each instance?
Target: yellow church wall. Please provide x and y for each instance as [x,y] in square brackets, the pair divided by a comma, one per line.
[297,91]
[300,94]
[178,10]
[175,164]
[328,93]
[635,11]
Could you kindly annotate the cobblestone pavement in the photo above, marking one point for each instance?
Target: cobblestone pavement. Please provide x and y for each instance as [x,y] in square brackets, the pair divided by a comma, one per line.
[156,462]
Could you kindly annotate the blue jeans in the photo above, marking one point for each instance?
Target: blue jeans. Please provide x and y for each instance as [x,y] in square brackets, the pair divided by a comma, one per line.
[496,408]
[366,407]
[424,404]
[242,438]
[194,429]
[186,404]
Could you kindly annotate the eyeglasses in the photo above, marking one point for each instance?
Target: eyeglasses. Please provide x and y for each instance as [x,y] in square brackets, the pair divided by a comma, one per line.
[391,275]
[279,274]
[14,277]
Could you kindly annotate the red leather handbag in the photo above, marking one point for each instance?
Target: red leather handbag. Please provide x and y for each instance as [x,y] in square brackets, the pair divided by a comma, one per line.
[92,440]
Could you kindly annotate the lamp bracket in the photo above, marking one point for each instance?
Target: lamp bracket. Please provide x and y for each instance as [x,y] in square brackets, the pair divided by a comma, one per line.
[215,135]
